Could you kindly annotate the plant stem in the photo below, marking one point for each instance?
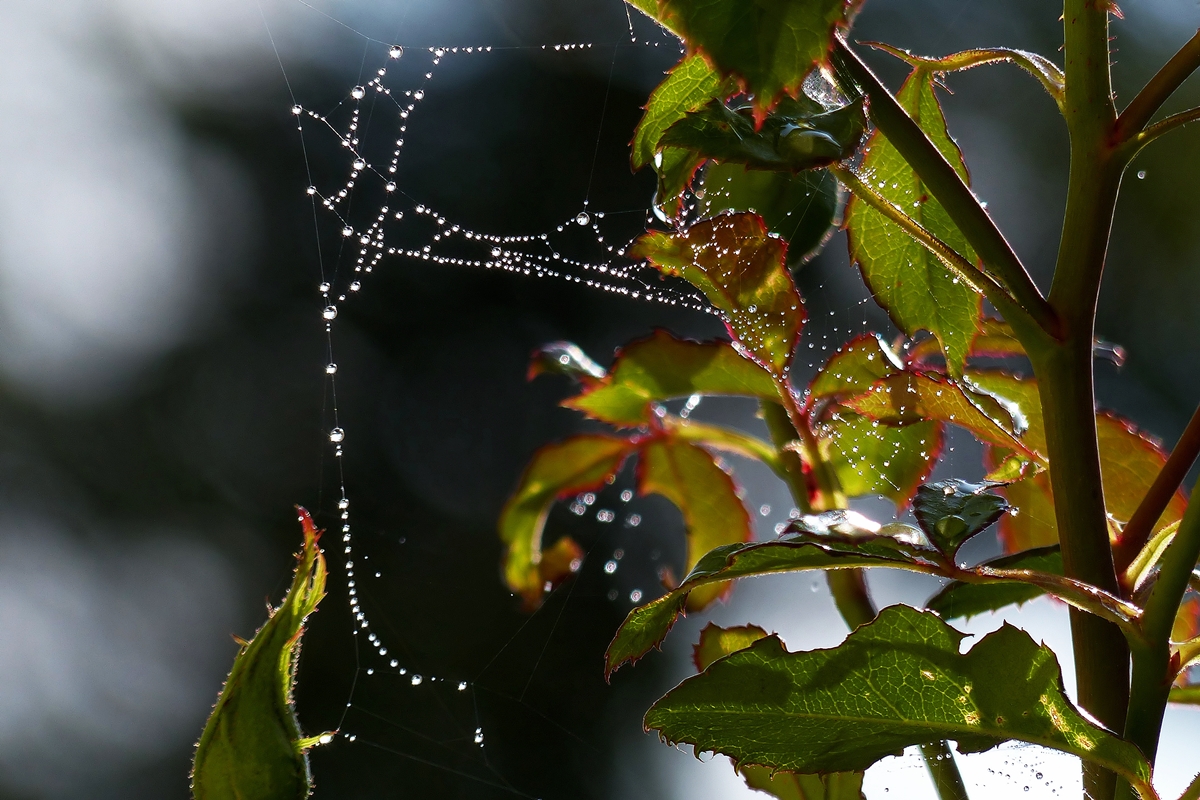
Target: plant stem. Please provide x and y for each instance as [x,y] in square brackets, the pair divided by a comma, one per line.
[1135,116]
[1163,126]
[1141,524]
[783,433]
[1064,370]
[944,771]
[945,184]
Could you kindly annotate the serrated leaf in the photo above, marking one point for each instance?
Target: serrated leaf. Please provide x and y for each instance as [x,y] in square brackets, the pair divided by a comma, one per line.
[565,358]
[252,745]
[663,367]
[895,682]
[958,599]
[908,397]
[856,367]
[675,167]
[800,135]
[916,289]
[740,268]
[870,458]
[689,85]
[952,511]
[1129,462]
[557,470]
[704,493]
[717,642]
[770,47]
[802,208]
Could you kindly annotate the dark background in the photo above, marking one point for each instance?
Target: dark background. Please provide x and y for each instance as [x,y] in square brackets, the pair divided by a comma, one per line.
[163,401]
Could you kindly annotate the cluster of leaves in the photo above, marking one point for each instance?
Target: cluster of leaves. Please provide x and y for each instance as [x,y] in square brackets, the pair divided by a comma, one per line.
[750,141]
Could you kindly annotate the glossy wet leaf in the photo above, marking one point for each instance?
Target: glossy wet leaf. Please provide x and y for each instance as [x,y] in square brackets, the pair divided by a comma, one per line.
[565,358]
[675,166]
[895,682]
[802,208]
[252,746]
[909,397]
[768,46]
[716,642]
[856,367]
[690,85]
[663,367]
[870,458]
[994,339]
[557,470]
[958,599]
[800,135]
[704,493]
[916,289]
[740,268]
[952,511]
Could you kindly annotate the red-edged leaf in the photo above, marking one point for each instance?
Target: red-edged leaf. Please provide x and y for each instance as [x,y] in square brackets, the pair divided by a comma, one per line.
[741,270]
[689,85]
[871,458]
[854,368]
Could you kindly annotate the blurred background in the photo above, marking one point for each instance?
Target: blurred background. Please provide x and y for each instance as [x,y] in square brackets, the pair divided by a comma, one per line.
[164,399]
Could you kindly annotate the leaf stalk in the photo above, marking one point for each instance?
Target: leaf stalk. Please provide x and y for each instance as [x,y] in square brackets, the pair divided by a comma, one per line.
[1137,114]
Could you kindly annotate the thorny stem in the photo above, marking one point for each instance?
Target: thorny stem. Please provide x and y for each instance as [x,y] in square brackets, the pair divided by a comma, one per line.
[1172,75]
[945,184]
[848,586]
[1064,370]
[1137,530]
[1168,124]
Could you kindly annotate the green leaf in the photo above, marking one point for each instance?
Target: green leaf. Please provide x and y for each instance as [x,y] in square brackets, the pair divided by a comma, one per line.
[800,135]
[994,339]
[952,511]
[557,470]
[565,358]
[895,682]
[770,46]
[252,745]
[663,367]
[870,458]
[802,208]
[906,279]
[704,493]
[958,599]
[689,85]
[1186,695]
[716,642]
[675,167]
[859,364]
[909,397]
[740,268]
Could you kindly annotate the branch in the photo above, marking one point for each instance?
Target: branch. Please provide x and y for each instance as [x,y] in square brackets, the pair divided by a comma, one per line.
[953,260]
[1172,75]
[1165,125]
[945,184]
[1137,530]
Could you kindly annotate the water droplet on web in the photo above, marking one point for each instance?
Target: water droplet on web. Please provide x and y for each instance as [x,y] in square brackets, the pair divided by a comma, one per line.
[337,435]
[359,163]
[330,312]
[330,369]
[416,680]
[395,51]
[297,110]
[358,93]
[610,567]
[462,686]
[479,736]
[496,252]
[389,187]
[347,231]
[323,288]
[1141,174]
[419,94]
[344,503]
[635,596]
[583,218]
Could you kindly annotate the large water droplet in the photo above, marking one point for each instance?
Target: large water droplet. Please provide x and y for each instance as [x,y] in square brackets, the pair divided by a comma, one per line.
[390,187]
[359,163]
[582,218]
[358,93]
[347,231]
[419,94]
[395,51]
[330,312]
[297,110]
[330,369]
[337,435]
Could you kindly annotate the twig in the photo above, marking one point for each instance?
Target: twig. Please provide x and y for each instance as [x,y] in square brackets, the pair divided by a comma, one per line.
[1133,119]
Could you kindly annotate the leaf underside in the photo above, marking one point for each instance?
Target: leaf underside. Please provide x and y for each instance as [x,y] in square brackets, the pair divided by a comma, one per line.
[967,600]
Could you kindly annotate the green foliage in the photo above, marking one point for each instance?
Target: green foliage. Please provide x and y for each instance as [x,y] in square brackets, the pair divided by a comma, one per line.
[915,287]
[959,599]
[950,512]
[252,746]
[895,682]
[689,86]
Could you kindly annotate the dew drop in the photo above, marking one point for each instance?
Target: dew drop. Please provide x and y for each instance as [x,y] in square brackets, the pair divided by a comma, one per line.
[416,680]
[583,218]
[610,567]
[331,369]
[359,163]
[347,231]
[635,596]
[358,93]
[419,94]
[337,435]
[389,187]
[395,51]
[324,287]
[297,110]
[1141,174]
[330,312]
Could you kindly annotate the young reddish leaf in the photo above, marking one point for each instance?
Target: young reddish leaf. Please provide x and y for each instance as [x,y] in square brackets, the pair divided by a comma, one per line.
[689,85]
[565,358]
[802,208]
[769,46]
[740,268]
[1129,462]
[557,470]
[909,397]
[870,458]
[799,135]
[860,363]
[906,279]
[717,642]
[252,745]
[664,367]
[705,494]
[897,681]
